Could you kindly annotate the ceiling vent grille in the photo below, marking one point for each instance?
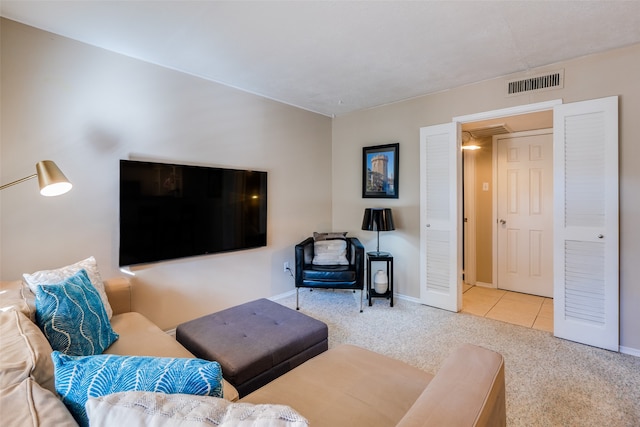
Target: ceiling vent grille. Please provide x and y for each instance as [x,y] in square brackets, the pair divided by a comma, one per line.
[486,131]
[537,83]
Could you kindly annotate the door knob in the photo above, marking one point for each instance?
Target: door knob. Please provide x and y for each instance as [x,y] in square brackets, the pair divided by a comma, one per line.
[503,222]
[600,236]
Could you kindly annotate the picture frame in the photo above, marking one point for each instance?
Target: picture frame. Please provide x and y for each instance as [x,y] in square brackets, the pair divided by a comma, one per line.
[380,171]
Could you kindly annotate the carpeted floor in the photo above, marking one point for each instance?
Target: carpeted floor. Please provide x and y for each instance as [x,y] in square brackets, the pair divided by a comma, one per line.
[549,381]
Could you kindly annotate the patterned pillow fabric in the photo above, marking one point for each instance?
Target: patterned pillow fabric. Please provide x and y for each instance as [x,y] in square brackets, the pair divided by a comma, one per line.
[72,316]
[79,378]
[47,277]
[148,409]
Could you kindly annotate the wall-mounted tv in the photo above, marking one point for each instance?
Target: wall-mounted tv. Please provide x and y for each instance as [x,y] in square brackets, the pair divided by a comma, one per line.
[170,211]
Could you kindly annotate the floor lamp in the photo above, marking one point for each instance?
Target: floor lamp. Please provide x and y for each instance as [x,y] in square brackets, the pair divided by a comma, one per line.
[50,178]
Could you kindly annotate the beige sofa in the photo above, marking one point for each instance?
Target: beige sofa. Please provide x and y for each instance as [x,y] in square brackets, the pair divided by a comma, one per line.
[345,386]
[26,371]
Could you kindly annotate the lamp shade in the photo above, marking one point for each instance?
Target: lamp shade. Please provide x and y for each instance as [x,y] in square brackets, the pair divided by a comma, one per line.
[378,219]
[51,179]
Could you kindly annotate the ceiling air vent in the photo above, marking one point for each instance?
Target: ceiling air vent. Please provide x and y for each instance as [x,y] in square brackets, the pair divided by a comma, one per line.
[537,83]
[490,130]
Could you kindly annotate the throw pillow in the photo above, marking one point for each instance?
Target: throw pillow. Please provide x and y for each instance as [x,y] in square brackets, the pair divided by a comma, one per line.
[28,404]
[72,316]
[330,252]
[25,352]
[146,409]
[46,277]
[79,378]
[329,236]
[16,295]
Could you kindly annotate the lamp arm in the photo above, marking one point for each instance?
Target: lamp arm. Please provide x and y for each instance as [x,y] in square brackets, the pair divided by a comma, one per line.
[26,178]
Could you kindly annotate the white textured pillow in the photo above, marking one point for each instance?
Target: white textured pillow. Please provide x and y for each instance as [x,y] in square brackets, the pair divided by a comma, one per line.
[330,252]
[49,277]
[148,409]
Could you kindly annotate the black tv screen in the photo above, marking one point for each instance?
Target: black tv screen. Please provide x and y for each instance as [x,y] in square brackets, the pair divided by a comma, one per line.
[170,211]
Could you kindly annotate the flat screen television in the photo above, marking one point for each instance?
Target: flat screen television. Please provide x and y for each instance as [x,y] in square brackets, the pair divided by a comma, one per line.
[170,211]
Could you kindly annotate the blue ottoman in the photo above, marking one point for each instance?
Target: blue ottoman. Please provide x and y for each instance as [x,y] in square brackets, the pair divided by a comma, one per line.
[255,342]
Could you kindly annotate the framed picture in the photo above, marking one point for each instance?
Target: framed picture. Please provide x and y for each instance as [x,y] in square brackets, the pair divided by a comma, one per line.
[380,171]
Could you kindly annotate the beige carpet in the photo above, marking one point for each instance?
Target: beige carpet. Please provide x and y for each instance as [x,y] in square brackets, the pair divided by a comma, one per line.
[549,381]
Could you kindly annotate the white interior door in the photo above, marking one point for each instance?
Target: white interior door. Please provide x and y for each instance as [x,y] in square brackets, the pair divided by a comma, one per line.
[586,252]
[525,212]
[440,217]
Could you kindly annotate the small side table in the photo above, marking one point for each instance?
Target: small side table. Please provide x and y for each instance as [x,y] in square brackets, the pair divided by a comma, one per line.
[371,292]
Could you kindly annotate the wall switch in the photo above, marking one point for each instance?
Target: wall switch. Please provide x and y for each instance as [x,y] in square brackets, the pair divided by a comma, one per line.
[485,186]
[286,266]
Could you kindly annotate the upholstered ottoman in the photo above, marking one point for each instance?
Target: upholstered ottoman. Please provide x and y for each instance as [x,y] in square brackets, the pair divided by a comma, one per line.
[255,342]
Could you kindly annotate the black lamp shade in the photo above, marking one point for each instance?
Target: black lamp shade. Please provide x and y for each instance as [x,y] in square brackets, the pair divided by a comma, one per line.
[378,219]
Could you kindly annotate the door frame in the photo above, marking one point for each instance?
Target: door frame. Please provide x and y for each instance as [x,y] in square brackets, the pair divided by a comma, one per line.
[490,115]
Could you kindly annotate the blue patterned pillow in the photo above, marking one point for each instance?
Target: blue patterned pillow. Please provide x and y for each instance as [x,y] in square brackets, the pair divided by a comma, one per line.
[72,316]
[79,378]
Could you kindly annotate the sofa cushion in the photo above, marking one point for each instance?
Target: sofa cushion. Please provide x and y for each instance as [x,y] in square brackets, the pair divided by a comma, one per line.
[79,378]
[148,409]
[72,316]
[46,277]
[141,337]
[31,405]
[25,352]
[17,295]
[347,385]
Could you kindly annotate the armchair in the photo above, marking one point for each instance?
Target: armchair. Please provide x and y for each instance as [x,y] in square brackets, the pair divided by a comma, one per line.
[329,276]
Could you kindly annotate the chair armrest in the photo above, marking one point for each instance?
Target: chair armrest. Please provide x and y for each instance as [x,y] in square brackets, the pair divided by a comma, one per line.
[303,255]
[357,257]
[118,291]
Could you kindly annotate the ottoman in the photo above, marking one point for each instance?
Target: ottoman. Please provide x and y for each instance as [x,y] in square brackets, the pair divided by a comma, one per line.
[255,342]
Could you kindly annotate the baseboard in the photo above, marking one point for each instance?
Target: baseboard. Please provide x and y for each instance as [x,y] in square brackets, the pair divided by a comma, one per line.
[407,298]
[631,351]
[282,296]
[485,285]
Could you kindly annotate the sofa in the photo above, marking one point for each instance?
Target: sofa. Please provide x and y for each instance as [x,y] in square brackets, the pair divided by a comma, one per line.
[344,386]
[27,394]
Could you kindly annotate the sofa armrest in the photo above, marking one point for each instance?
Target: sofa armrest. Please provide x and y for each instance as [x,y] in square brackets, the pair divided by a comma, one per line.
[118,291]
[468,390]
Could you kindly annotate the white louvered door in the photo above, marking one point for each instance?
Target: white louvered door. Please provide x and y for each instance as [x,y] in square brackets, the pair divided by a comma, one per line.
[586,230]
[440,216]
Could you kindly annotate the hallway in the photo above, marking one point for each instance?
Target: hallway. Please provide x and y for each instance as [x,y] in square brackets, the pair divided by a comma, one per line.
[526,310]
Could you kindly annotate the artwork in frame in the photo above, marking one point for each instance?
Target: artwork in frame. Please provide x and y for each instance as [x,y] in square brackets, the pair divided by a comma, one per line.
[380,171]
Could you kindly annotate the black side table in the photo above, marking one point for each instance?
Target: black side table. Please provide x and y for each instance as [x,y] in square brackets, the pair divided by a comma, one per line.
[371,292]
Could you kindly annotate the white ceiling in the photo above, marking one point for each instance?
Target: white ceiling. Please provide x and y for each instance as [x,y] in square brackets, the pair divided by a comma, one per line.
[334,57]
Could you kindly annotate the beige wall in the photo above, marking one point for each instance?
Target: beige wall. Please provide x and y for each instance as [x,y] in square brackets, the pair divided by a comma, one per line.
[86,108]
[484,211]
[611,73]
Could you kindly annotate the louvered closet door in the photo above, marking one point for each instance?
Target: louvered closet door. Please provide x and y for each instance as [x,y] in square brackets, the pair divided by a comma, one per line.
[440,204]
[586,255]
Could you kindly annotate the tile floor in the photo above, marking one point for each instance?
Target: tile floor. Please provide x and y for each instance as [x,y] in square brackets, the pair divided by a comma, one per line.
[512,307]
